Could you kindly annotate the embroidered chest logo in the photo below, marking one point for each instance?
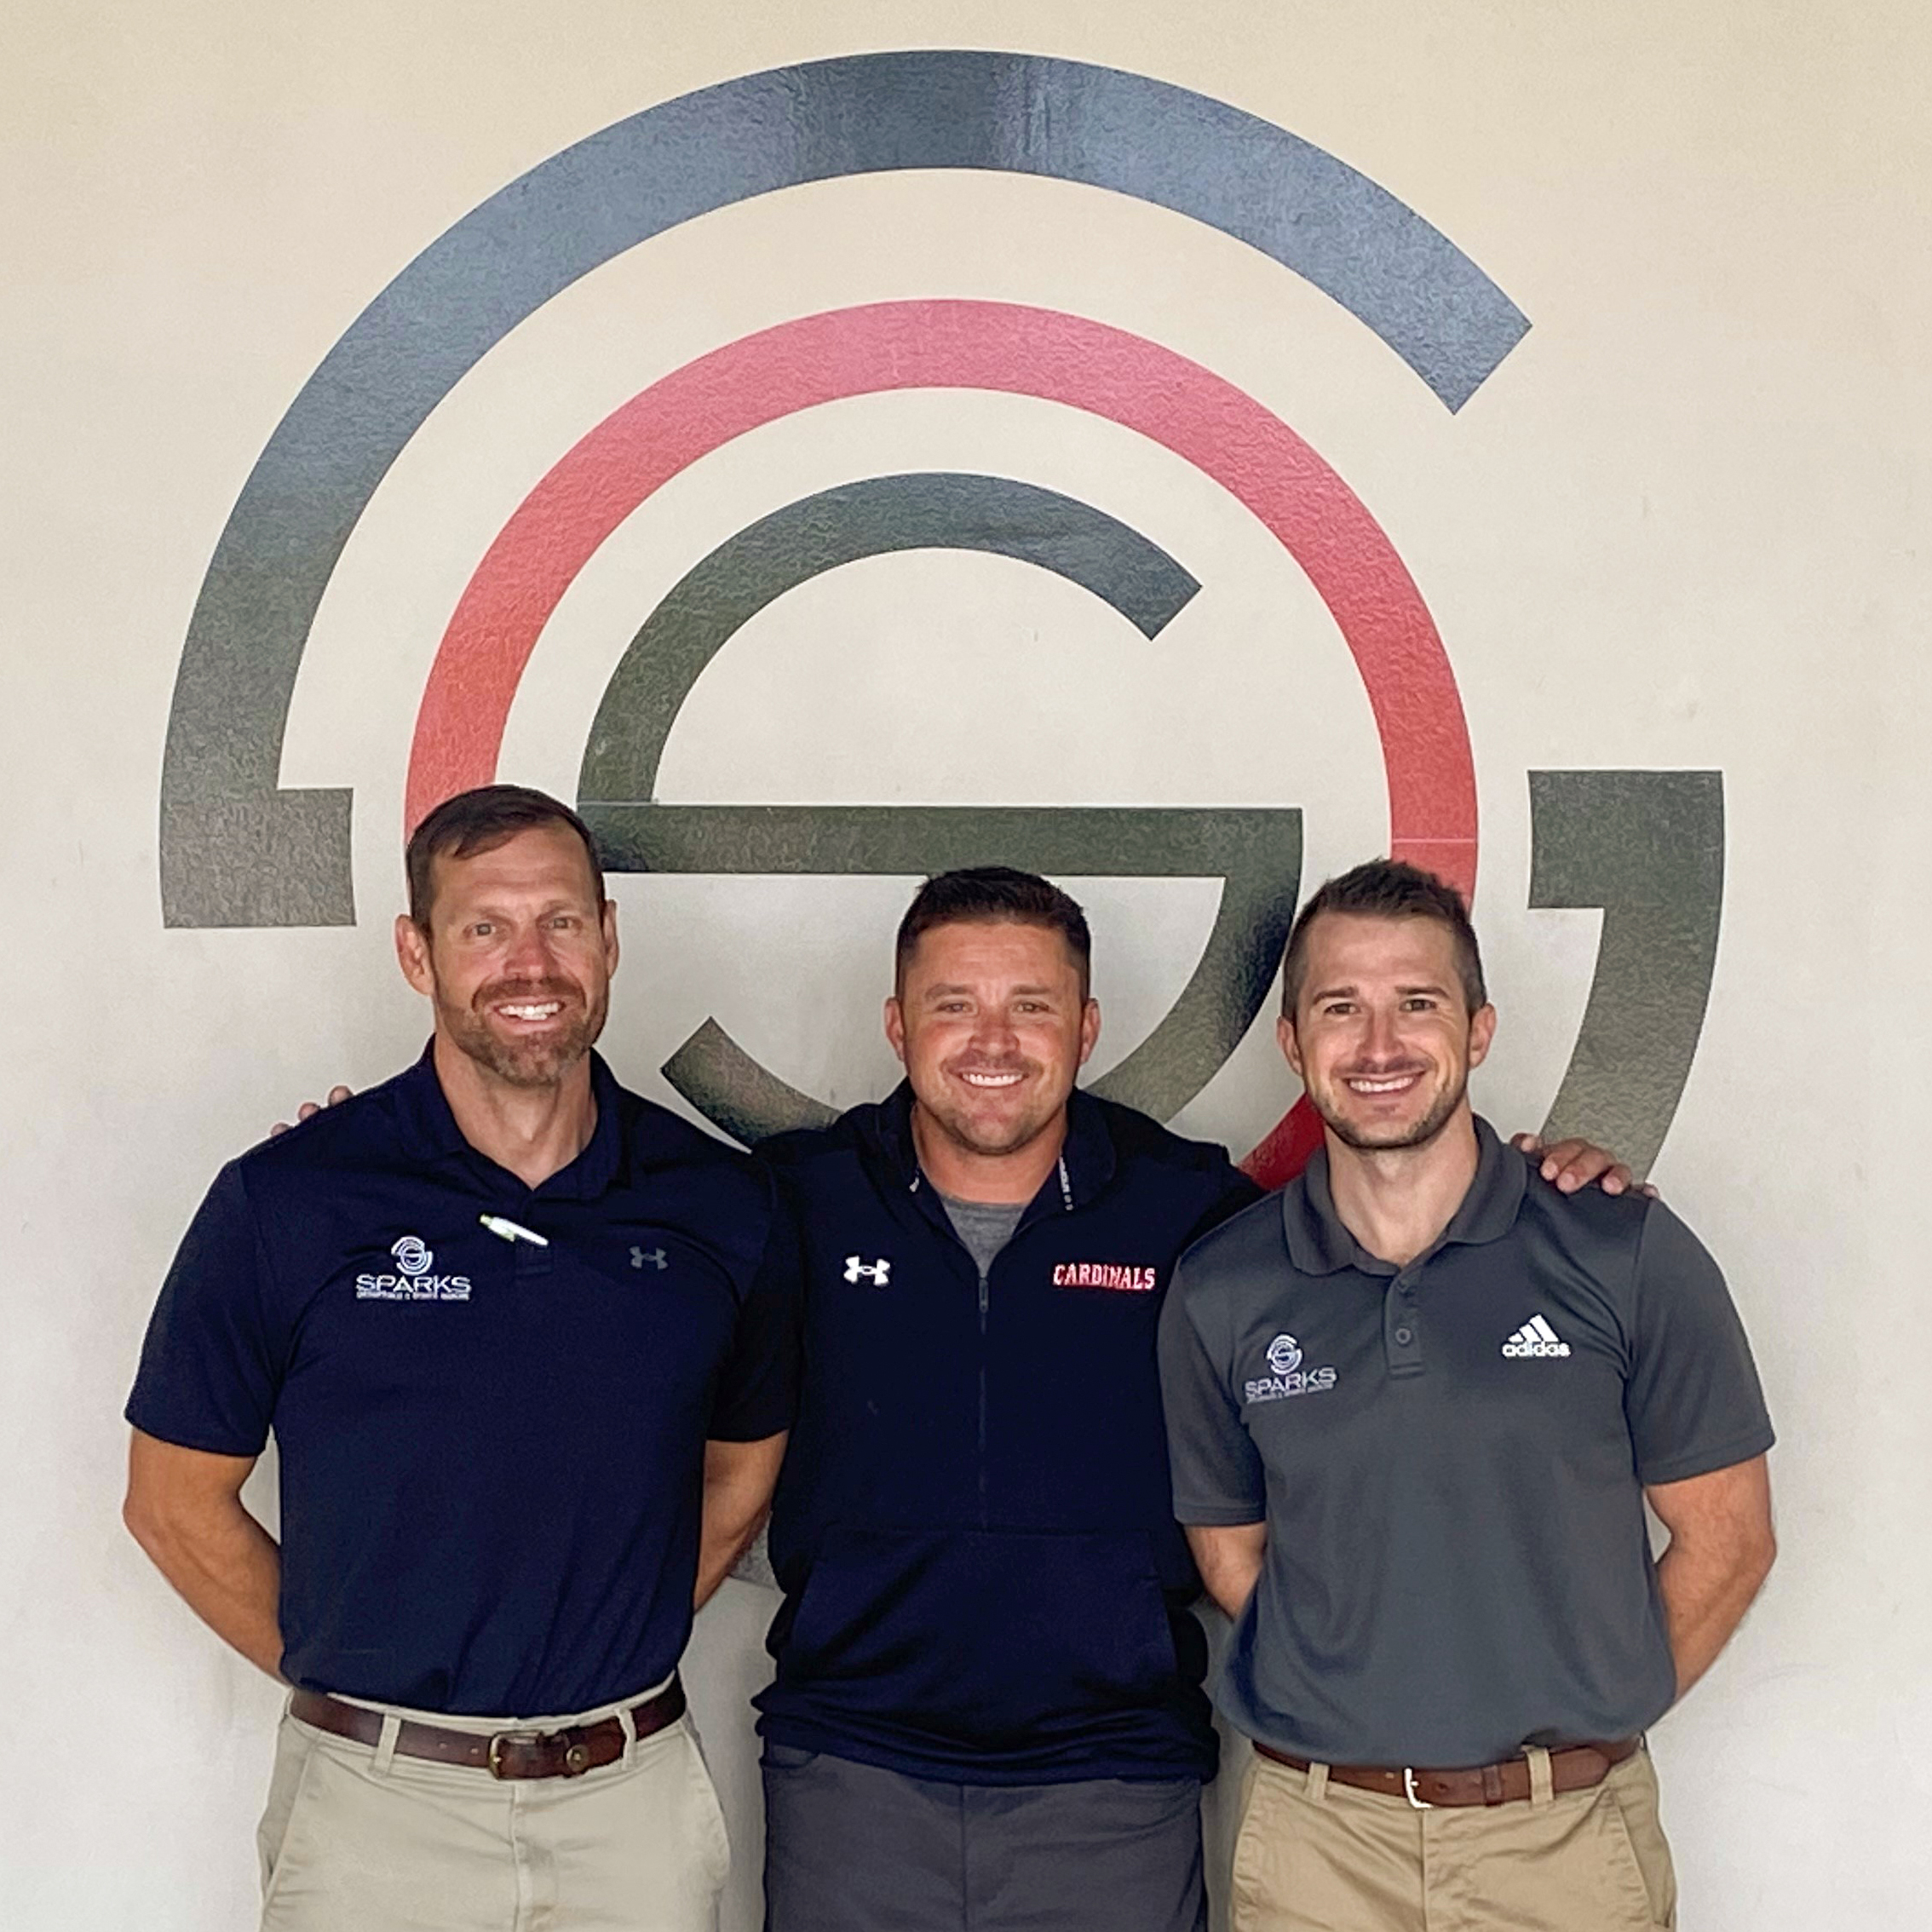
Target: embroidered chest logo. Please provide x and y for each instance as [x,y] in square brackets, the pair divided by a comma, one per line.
[1286,1376]
[414,1279]
[878,1273]
[656,1256]
[1534,1338]
[1106,1274]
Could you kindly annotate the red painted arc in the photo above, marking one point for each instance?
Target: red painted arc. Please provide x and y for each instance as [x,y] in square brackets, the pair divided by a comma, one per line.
[970,345]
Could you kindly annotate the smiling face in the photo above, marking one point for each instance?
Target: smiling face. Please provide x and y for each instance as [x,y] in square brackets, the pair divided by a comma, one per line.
[993,1021]
[1381,1035]
[518,956]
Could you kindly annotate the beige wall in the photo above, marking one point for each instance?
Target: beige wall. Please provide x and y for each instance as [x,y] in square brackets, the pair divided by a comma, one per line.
[1681,526]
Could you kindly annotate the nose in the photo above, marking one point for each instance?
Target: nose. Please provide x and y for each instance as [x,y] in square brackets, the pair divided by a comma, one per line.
[1379,1040]
[528,956]
[993,1031]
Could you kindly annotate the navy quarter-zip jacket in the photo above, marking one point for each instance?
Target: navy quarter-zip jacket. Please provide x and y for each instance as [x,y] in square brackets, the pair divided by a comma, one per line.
[974,1527]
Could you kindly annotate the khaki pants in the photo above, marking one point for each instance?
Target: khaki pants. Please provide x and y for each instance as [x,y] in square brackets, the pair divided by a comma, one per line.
[356,1838]
[1315,1856]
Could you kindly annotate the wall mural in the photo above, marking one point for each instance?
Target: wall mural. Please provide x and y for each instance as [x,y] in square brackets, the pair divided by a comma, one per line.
[236,849]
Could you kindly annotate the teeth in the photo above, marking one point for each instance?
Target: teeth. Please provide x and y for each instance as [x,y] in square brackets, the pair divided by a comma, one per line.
[534,1012]
[991,1079]
[1383,1086]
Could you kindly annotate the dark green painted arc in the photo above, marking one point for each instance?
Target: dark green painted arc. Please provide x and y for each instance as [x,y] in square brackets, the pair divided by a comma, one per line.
[919,510]
[235,849]
[1256,853]
[1648,848]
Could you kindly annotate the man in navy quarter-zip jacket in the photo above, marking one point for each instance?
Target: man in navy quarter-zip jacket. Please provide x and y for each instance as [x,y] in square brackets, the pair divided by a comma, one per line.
[987,1711]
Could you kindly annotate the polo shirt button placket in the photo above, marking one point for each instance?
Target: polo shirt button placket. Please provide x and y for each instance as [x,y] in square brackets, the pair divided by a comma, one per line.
[1402,1328]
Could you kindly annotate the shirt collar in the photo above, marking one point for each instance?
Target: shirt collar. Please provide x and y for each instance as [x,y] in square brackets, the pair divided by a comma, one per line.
[1319,1242]
[430,1129]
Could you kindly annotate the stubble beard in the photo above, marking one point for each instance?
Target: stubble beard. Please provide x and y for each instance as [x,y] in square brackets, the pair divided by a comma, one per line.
[527,1064]
[1398,1138]
[957,1125]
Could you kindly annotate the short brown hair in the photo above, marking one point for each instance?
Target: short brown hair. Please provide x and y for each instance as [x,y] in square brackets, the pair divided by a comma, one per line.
[994,895]
[1387,889]
[480,820]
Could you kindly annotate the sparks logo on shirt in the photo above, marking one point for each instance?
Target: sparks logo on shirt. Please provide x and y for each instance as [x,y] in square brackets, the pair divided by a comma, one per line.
[413,1280]
[1286,1376]
[1106,1274]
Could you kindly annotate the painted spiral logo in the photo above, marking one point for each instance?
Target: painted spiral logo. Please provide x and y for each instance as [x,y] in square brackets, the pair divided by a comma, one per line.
[240,847]
[412,1256]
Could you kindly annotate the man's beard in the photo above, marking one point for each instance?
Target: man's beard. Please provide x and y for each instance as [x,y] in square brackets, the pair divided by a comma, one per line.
[526,1063]
[1397,1137]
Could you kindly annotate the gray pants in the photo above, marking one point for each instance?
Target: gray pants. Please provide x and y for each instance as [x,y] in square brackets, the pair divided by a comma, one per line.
[849,1848]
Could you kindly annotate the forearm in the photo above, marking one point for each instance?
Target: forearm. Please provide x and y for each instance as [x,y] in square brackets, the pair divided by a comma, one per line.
[1705,1595]
[740,1478]
[226,1568]
[1229,1559]
[727,1533]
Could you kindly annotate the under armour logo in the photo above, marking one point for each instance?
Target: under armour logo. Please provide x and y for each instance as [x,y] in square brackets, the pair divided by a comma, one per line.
[875,1272]
[656,1258]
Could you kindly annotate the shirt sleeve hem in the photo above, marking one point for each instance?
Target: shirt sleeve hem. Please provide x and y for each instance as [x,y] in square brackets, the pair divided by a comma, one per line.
[184,1437]
[1702,1462]
[759,1427]
[1218,1516]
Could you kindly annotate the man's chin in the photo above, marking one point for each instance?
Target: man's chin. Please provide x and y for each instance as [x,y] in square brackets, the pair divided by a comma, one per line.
[990,1138]
[1390,1136]
[527,1064]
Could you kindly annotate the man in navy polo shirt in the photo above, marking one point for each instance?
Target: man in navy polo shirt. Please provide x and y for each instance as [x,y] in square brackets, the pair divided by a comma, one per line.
[1416,1407]
[987,1711]
[526,1344]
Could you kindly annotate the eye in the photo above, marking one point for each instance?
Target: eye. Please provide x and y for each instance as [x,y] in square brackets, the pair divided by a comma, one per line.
[480,928]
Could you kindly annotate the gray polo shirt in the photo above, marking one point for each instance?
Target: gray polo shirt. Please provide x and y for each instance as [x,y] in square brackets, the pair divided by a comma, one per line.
[1451,1458]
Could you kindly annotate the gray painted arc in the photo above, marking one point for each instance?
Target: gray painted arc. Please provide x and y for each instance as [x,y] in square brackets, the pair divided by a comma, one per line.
[234,849]
[1648,848]
[1256,853]
[926,509]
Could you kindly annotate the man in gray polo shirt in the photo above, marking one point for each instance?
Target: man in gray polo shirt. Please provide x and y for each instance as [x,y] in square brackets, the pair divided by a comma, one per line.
[1415,1409]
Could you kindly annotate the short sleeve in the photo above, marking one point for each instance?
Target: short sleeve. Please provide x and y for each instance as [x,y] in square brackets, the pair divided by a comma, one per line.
[209,1369]
[1234,1191]
[1693,1400]
[1218,1478]
[758,1390]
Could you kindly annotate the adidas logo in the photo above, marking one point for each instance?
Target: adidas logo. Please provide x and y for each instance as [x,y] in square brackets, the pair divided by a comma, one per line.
[1535,1338]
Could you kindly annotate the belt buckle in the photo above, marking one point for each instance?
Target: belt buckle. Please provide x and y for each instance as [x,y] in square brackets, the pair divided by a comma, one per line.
[1409,1791]
[499,1738]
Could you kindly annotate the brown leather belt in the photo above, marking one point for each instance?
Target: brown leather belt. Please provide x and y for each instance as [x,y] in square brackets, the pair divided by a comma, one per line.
[514,1753]
[1574,1768]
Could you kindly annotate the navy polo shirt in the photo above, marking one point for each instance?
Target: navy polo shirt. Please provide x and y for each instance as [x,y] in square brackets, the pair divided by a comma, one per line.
[491,1451]
[1451,1457]
[973,1529]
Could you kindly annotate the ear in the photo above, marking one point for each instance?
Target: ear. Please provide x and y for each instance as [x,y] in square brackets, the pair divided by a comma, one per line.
[412,955]
[607,921]
[1482,1031]
[1285,1038]
[1089,1030]
[895,1027]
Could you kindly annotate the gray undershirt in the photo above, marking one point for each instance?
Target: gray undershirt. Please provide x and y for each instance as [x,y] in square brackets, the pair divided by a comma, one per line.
[984,1227]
